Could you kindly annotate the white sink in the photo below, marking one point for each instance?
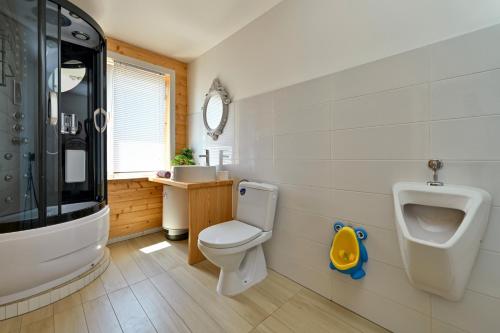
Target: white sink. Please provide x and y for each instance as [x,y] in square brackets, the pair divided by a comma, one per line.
[193,173]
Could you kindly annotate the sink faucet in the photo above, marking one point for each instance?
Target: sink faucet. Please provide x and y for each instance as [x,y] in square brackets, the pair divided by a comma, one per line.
[221,157]
[207,157]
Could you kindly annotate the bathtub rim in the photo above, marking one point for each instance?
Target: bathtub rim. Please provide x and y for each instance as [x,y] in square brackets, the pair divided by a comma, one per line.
[51,296]
[13,236]
[17,225]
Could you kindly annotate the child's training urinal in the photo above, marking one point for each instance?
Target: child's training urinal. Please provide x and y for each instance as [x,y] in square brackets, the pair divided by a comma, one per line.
[348,253]
[439,231]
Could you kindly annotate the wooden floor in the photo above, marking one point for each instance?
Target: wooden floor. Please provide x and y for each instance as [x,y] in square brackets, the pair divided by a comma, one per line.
[148,287]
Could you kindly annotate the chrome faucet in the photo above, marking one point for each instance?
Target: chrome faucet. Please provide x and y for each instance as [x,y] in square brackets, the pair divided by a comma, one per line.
[207,157]
[222,156]
[435,166]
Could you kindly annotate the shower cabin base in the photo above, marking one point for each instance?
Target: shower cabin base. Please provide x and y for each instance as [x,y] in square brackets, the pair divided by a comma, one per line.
[41,266]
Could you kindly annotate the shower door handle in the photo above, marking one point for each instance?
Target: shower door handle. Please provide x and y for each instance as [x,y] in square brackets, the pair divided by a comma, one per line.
[100,128]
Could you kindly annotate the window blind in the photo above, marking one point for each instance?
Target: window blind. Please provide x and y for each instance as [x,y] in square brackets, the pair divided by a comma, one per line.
[138,119]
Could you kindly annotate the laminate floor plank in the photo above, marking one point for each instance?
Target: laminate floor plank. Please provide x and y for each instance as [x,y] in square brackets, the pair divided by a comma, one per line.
[129,312]
[163,317]
[225,316]
[11,325]
[138,248]
[251,305]
[195,317]
[45,325]
[100,316]
[112,279]
[71,320]
[126,264]
[92,291]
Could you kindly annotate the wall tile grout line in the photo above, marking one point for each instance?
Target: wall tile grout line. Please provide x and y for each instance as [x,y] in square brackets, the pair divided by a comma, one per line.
[465,75]
[371,291]
[428,81]
[390,299]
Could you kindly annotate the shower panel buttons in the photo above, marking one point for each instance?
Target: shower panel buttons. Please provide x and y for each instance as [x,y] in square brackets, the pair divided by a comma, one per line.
[19,140]
[18,127]
[18,115]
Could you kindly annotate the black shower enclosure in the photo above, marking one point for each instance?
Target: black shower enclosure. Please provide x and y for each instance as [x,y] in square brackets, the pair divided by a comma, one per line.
[52,114]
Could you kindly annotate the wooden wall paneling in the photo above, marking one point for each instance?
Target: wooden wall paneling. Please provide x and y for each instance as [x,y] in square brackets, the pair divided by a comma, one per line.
[136,205]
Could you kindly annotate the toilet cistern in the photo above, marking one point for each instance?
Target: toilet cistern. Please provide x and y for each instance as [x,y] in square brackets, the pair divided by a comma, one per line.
[435,165]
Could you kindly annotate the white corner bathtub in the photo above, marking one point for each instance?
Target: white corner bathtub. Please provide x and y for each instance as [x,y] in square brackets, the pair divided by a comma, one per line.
[36,260]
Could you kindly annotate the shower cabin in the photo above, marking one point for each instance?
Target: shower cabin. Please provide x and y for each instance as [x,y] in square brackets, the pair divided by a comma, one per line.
[54,218]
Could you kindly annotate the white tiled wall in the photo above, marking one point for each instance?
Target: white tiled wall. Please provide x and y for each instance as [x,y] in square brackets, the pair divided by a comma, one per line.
[337,144]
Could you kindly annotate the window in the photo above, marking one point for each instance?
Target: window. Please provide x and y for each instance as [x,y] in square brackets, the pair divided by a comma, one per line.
[138,102]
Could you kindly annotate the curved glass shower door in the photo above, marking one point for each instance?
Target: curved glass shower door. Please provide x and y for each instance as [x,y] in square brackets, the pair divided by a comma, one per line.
[74,164]
[52,117]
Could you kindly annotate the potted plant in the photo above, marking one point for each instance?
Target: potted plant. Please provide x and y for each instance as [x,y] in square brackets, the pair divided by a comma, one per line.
[184,158]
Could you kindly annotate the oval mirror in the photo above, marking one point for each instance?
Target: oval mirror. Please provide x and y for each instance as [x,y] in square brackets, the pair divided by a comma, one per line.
[72,73]
[215,109]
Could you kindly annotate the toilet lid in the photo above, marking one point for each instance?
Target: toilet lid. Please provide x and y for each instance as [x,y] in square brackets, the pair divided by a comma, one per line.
[228,234]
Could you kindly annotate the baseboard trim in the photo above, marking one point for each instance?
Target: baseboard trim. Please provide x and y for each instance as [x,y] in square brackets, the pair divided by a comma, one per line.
[134,235]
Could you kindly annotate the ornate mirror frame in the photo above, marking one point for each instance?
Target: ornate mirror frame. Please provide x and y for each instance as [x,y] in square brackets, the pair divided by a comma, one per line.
[216,89]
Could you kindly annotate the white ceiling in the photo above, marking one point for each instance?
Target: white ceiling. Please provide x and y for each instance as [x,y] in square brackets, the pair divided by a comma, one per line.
[182,29]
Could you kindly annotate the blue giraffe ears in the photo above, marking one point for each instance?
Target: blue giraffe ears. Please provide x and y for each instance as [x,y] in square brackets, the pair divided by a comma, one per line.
[360,232]
[337,226]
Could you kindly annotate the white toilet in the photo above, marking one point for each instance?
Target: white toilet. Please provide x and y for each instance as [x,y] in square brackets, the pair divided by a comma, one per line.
[236,246]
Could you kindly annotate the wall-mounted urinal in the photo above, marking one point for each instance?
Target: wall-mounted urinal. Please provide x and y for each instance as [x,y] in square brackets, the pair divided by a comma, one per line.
[439,230]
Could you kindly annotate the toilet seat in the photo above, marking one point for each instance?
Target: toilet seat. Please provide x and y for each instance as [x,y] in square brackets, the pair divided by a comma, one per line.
[228,234]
